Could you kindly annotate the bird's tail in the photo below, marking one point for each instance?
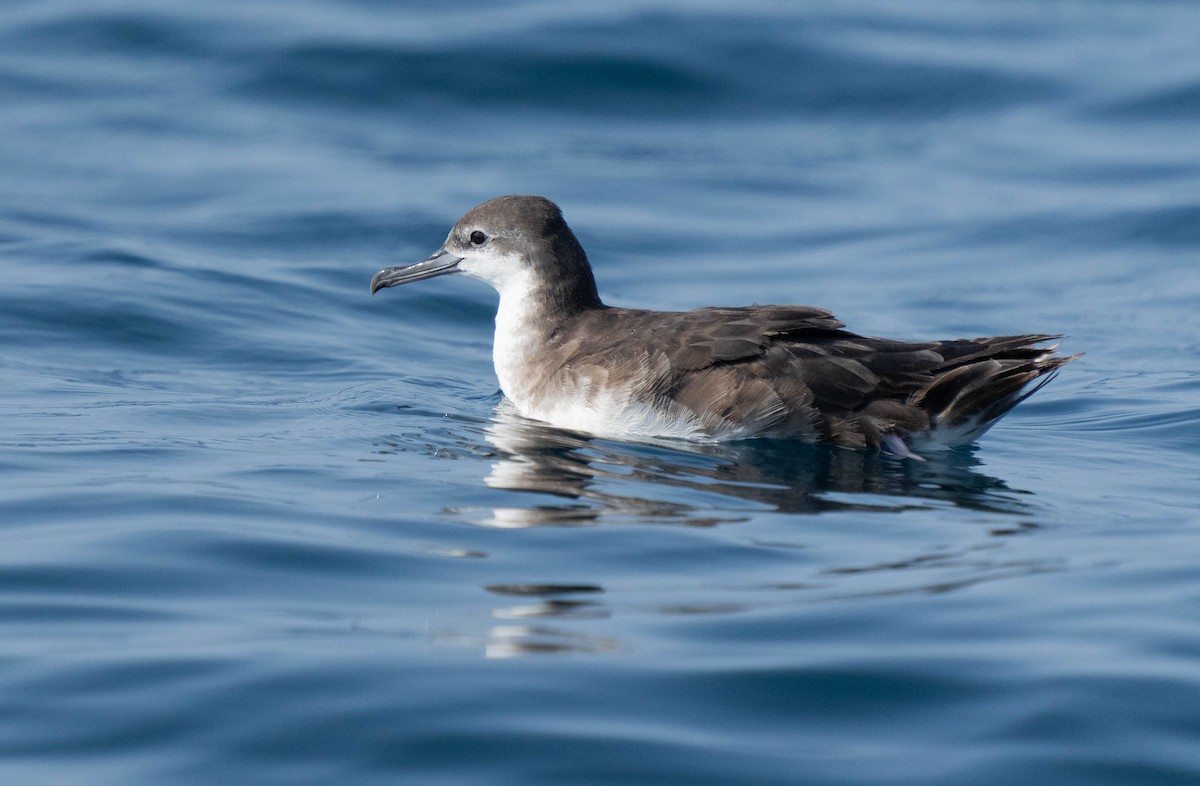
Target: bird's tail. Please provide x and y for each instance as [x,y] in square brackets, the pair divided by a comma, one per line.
[981,379]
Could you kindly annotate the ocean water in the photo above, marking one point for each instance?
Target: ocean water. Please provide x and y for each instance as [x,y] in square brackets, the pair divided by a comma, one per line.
[260,527]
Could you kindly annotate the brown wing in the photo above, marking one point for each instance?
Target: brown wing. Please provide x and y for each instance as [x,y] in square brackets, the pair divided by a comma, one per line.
[792,371]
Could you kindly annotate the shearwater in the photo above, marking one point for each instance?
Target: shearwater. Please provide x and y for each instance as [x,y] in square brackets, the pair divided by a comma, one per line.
[714,374]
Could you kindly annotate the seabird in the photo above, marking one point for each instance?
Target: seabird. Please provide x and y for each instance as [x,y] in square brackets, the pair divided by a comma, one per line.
[714,374]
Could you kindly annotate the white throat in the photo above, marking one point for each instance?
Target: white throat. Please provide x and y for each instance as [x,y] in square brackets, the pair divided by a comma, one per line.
[520,336]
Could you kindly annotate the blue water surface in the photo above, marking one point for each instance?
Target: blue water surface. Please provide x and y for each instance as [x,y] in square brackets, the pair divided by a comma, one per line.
[260,527]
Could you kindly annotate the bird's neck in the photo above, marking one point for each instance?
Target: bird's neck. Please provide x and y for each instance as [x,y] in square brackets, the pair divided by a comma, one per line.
[529,319]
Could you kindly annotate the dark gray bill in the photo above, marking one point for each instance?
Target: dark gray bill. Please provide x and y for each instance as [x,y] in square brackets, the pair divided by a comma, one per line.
[440,264]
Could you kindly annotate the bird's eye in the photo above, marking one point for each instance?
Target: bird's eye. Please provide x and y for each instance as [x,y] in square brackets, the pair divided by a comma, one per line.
[478,238]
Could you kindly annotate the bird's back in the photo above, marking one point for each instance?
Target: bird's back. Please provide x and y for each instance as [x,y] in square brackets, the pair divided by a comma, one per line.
[794,372]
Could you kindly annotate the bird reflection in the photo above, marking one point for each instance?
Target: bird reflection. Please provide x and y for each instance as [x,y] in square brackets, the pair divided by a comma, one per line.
[528,628]
[595,478]
[564,479]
